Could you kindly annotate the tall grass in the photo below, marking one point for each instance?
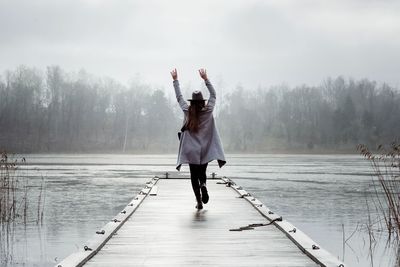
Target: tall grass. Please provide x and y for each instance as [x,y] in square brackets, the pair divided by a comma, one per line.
[386,200]
[16,205]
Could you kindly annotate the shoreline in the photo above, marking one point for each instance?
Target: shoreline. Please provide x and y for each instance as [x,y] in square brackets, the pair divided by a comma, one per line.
[274,152]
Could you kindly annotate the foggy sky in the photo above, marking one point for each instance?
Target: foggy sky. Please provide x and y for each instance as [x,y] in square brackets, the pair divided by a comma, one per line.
[249,42]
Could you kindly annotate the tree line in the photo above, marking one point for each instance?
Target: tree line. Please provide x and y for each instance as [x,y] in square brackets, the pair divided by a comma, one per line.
[56,111]
[334,116]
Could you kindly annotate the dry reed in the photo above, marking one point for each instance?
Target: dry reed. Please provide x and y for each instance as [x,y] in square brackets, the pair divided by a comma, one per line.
[15,201]
[386,200]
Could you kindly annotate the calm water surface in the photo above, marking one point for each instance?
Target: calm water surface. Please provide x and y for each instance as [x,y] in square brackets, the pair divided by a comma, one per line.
[317,193]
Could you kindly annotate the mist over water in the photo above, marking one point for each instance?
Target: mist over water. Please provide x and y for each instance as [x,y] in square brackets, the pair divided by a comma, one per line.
[317,193]
[58,112]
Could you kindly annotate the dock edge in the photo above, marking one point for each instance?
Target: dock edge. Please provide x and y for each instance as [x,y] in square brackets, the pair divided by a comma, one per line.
[299,238]
[94,245]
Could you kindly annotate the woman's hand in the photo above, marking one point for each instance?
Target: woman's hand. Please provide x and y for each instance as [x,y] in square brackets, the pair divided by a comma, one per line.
[174,74]
[203,74]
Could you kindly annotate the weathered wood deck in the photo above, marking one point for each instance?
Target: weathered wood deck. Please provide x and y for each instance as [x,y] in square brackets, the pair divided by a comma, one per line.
[165,229]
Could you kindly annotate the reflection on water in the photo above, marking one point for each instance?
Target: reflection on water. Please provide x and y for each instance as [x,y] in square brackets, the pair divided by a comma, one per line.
[320,194]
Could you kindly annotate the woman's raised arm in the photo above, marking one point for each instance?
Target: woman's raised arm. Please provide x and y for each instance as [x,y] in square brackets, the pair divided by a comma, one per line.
[213,95]
[182,103]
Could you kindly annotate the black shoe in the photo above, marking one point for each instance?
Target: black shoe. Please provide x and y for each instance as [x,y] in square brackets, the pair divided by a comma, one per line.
[199,206]
[204,194]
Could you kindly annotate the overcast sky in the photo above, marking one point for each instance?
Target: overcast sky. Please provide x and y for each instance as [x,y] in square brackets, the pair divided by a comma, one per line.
[249,42]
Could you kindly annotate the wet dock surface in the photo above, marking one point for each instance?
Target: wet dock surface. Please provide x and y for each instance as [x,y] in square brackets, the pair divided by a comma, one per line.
[165,229]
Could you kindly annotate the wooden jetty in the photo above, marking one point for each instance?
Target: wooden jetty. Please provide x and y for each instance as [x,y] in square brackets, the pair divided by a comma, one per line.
[161,227]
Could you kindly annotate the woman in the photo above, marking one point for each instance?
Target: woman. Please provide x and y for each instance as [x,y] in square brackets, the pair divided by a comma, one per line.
[199,141]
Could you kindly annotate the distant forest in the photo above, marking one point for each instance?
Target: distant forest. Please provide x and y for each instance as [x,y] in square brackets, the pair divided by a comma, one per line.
[55,111]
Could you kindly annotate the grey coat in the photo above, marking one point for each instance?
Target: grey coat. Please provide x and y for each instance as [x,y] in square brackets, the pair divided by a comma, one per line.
[204,145]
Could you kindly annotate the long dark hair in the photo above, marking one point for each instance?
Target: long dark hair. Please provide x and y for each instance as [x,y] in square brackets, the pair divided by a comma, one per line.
[194,115]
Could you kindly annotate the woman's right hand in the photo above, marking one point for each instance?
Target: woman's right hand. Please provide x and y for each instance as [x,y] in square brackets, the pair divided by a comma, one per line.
[203,74]
[174,74]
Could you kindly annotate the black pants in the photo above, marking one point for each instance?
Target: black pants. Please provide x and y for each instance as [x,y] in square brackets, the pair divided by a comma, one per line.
[198,177]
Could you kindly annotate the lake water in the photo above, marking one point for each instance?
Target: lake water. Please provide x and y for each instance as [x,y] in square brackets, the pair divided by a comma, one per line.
[317,193]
